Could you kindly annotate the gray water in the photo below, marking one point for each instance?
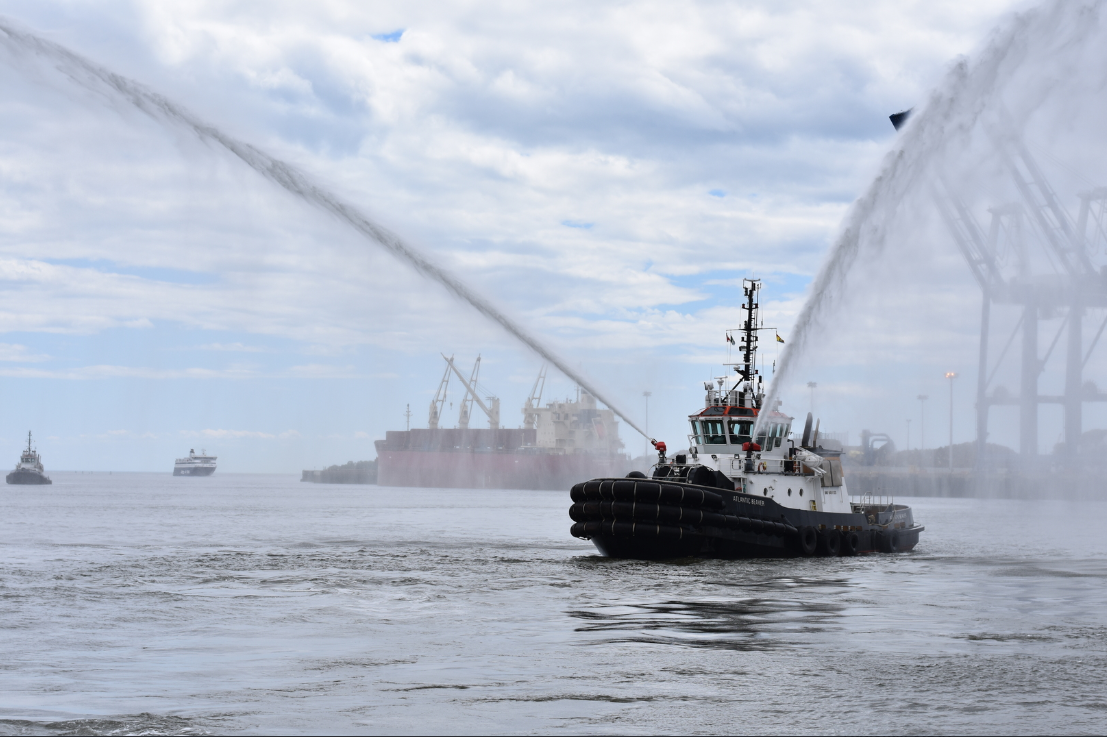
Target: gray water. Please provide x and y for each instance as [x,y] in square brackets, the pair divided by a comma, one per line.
[258,604]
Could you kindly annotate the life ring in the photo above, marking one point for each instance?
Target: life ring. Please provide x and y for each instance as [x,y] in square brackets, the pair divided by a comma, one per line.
[762,466]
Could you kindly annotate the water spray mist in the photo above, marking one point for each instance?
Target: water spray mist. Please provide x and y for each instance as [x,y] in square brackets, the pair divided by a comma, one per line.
[97,78]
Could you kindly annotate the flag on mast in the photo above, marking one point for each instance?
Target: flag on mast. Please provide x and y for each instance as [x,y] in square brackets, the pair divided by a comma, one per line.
[779,339]
[730,338]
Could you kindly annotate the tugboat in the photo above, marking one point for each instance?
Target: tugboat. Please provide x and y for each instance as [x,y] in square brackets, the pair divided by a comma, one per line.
[733,495]
[195,465]
[29,469]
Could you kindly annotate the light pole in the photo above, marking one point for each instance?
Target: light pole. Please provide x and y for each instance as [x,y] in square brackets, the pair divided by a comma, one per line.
[812,385]
[922,421]
[647,395]
[951,376]
[908,435]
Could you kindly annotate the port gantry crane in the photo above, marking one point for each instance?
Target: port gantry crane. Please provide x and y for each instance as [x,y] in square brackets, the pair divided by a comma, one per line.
[1075,287]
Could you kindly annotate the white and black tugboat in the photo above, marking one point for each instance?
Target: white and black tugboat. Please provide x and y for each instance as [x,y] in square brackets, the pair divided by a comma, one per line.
[29,469]
[195,465]
[736,496]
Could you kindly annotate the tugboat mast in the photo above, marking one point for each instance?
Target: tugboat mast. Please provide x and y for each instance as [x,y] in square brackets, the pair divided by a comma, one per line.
[751,289]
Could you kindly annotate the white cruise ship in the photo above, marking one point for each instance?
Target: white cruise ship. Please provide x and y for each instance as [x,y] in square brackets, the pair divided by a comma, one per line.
[195,465]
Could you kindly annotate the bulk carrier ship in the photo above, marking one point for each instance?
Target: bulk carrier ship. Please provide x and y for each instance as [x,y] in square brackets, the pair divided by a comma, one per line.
[557,444]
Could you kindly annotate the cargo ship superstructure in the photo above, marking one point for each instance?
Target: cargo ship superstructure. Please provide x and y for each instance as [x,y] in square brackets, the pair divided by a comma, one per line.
[29,470]
[195,464]
[746,487]
[556,444]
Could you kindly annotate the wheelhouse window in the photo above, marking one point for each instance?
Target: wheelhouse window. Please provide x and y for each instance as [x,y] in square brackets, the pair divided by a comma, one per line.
[739,432]
[713,432]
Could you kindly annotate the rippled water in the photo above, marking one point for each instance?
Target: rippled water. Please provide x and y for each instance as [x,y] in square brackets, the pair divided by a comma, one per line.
[152,604]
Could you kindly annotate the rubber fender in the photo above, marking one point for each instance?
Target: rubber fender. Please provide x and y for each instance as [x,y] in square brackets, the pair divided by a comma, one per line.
[745,524]
[623,490]
[756,525]
[605,490]
[576,513]
[774,528]
[732,521]
[662,472]
[702,476]
[577,493]
[807,540]
[891,541]
[851,543]
[697,496]
[592,489]
[647,491]
[714,519]
[723,482]
[830,543]
[636,475]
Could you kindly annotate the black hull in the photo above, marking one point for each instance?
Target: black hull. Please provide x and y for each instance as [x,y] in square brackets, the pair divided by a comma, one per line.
[625,518]
[193,471]
[28,478]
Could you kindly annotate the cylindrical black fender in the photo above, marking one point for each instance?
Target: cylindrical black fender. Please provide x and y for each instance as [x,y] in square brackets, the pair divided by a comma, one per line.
[636,475]
[577,493]
[830,543]
[807,540]
[851,543]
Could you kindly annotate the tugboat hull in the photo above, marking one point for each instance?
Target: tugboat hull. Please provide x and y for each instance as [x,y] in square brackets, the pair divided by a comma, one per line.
[647,519]
[28,477]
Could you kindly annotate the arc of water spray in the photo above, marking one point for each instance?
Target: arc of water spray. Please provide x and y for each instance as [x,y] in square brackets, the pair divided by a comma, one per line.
[93,76]
[953,109]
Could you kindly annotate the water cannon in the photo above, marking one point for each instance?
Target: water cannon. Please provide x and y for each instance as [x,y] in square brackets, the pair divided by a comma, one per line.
[659,445]
[750,447]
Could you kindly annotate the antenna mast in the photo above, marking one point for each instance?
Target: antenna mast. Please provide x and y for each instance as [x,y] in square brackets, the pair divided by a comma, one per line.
[751,288]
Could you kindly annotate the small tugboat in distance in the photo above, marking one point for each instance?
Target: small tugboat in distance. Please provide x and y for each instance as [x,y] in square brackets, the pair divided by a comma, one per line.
[734,495]
[195,465]
[29,469]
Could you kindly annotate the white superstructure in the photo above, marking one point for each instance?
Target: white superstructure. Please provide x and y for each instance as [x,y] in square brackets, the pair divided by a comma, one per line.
[195,465]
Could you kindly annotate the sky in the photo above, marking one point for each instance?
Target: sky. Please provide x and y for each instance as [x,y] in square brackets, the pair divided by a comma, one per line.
[607,175]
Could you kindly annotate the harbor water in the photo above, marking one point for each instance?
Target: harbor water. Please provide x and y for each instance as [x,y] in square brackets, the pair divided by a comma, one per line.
[259,604]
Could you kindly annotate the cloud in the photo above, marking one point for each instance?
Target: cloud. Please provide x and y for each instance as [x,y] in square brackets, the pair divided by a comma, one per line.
[19,353]
[231,347]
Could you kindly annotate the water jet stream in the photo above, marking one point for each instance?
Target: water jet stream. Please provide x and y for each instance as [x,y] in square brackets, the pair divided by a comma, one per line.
[971,93]
[95,77]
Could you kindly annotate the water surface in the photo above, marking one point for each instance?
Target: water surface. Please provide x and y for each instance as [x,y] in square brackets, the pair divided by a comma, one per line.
[259,604]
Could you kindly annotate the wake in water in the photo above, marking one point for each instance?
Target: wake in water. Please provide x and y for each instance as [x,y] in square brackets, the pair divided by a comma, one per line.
[1036,65]
[97,78]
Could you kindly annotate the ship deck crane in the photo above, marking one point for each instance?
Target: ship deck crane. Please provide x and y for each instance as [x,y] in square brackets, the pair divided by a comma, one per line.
[534,401]
[467,401]
[439,400]
[493,412]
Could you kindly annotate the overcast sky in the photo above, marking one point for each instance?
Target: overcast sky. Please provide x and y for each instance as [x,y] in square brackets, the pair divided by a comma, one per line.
[605,173]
